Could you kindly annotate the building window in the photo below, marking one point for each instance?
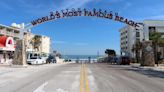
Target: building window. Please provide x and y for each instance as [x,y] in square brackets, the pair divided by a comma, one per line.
[137,40]
[152,29]
[137,34]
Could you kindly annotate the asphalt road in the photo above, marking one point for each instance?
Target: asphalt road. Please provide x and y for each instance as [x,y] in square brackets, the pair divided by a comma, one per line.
[89,78]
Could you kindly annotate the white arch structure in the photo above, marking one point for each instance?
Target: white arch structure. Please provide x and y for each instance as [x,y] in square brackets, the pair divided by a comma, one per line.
[68,13]
[78,12]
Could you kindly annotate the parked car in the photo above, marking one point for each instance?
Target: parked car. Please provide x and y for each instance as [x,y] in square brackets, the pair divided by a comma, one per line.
[34,58]
[45,57]
[123,60]
[51,59]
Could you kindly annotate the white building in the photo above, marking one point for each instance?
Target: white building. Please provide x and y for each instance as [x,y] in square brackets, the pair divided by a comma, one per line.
[128,37]
[154,26]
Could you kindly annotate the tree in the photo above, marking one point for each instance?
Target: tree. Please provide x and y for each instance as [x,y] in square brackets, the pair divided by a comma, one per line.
[59,55]
[36,41]
[110,52]
[137,47]
[157,40]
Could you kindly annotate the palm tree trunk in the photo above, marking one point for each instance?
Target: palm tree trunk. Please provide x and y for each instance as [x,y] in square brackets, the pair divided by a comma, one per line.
[137,58]
[155,53]
[156,56]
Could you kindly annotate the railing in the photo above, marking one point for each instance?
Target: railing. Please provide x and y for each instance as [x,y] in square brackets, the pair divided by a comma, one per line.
[3,31]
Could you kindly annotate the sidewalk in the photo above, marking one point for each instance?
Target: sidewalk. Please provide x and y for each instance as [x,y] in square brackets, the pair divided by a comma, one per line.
[8,74]
[159,68]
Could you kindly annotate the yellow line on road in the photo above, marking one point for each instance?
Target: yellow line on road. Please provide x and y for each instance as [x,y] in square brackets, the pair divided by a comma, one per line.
[84,78]
[81,79]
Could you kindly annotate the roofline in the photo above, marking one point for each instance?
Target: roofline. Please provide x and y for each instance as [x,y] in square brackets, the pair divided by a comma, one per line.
[9,27]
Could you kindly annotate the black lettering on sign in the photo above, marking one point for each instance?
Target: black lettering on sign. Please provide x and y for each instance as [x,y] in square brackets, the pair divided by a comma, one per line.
[84,12]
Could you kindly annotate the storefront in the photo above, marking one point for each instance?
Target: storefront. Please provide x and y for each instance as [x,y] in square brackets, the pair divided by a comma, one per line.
[7,49]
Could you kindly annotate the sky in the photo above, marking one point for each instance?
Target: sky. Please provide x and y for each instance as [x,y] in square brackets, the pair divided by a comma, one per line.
[80,35]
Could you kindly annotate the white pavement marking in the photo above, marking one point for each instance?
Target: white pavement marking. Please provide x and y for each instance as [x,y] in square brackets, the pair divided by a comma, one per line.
[41,88]
[93,85]
[75,84]
[60,90]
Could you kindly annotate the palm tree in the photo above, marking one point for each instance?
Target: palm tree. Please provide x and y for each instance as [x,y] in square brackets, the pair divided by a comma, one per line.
[58,55]
[36,41]
[137,47]
[157,40]
[110,53]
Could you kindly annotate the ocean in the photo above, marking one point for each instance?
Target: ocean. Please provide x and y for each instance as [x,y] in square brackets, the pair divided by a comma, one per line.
[80,56]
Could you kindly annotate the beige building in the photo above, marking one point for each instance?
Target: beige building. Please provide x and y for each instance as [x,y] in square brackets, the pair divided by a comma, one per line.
[13,32]
[44,46]
[9,31]
[8,37]
[27,38]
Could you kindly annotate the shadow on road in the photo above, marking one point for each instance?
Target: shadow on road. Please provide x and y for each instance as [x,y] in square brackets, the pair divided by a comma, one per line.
[147,72]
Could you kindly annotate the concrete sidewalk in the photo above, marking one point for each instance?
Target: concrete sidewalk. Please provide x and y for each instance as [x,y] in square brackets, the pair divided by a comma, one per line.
[10,74]
[159,68]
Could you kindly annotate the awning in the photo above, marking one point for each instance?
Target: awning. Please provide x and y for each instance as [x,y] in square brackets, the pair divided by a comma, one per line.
[7,44]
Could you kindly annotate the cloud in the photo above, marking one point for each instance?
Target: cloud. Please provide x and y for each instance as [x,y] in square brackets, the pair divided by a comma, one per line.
[41,8]
[157,17]
[59,42]
[74,3]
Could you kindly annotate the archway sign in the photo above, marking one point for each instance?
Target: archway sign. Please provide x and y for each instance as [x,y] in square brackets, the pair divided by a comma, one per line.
[84,12]
[67,13]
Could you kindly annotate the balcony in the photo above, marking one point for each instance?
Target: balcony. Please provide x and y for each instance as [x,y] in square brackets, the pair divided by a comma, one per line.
[3,31]
[16,35]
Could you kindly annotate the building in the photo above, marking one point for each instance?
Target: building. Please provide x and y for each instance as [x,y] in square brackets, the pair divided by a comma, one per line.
[44,46]
[28,36]
[9,31]
[154,26]
[128,37]
[8,37]
[7,49]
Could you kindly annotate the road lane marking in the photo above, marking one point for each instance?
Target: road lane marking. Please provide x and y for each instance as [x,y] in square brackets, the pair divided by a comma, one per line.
[81,79]
[41,88]
[84,82]
[60,90]
[86,79]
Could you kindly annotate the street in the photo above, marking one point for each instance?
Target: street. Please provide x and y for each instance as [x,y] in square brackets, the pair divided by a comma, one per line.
[88,78]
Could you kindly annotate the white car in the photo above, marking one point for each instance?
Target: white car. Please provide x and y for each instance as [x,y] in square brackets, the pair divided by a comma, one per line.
[34,58]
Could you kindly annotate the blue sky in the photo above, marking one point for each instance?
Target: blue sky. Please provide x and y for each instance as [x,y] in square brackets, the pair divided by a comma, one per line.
[80,35]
